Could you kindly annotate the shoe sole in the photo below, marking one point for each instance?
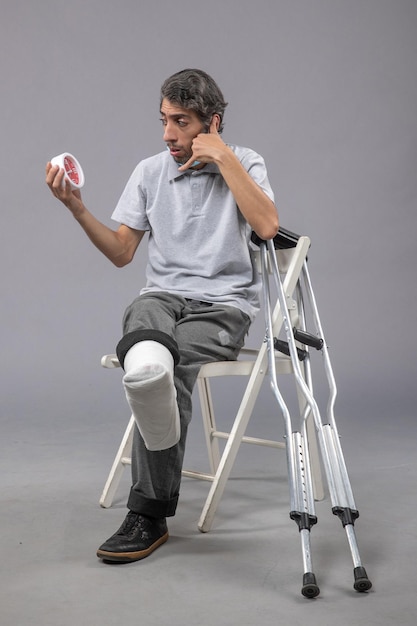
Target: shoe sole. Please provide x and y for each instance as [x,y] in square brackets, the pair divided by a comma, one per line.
[129,557]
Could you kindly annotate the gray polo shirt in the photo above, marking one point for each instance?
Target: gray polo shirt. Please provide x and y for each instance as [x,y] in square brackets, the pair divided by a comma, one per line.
[199,242]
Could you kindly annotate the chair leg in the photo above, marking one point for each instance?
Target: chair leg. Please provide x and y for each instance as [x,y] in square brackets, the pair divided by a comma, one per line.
[232,445]
[122,458]
[209,423]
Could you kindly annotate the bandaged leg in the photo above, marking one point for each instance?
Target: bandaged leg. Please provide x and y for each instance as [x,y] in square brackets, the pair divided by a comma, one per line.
[151,394]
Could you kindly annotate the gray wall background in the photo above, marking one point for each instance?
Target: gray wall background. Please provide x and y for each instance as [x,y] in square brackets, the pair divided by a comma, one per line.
[324,89]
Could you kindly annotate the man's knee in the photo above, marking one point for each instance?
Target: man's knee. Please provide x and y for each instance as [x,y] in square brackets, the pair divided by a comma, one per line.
[137,336]
[150,390]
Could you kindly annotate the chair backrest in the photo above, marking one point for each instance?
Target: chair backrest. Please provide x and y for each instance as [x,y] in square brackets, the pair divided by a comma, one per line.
[284,257]
[290,265]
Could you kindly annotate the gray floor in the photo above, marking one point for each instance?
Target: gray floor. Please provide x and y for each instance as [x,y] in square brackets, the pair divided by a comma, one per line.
[247,570]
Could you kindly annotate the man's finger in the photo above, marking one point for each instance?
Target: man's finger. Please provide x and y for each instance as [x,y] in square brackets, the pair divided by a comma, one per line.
[186,165]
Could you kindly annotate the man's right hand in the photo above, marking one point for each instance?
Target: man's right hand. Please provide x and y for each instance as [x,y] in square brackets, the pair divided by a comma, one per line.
[62,189]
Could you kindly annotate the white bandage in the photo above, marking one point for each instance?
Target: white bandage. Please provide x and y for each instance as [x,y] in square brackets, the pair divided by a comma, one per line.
[151,394]
[73,170]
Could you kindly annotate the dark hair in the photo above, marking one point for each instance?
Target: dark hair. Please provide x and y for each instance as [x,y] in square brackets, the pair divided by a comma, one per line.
[194,89]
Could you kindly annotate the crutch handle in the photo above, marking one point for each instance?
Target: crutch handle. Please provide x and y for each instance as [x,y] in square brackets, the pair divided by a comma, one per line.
[308,339]
[282,346]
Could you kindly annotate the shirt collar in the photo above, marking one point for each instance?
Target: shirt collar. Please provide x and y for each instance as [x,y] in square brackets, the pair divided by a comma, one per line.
[174,174]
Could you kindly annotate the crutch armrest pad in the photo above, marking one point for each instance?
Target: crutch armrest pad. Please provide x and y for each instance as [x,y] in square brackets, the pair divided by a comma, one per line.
[283,240]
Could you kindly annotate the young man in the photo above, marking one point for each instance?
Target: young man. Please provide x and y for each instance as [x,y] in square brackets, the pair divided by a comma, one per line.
[199,201]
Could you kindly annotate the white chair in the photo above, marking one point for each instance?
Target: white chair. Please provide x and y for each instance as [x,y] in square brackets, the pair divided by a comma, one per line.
[252,364]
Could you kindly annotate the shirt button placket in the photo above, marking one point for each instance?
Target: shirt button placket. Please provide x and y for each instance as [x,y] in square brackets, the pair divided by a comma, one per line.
[195,193]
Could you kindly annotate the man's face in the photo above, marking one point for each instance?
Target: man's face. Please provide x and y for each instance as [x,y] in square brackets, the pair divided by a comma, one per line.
[180,128]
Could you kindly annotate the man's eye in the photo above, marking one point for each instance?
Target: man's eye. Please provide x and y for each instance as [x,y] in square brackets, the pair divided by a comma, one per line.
[180,122]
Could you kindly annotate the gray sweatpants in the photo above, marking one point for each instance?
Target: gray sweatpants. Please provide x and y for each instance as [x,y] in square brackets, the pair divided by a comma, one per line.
[203,332]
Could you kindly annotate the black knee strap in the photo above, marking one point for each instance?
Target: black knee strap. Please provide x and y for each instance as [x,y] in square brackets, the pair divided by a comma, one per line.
[136,336]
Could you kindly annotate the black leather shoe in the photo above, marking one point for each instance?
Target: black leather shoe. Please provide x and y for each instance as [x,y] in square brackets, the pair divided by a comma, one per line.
[136,538]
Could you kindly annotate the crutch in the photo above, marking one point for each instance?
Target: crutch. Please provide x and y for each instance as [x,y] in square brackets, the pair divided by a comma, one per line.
[300,485]
[299,475]
[341,494]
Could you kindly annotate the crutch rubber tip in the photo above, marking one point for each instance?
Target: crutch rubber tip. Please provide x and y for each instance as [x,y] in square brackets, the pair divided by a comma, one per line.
[310,589]
[362,582]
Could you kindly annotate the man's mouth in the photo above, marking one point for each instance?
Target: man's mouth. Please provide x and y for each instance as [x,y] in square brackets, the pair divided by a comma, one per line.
[174,151]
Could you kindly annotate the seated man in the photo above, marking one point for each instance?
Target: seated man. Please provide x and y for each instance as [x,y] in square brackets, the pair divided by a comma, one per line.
[199,200]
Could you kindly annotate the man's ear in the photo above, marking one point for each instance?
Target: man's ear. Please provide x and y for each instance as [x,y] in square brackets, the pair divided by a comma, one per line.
[215,121]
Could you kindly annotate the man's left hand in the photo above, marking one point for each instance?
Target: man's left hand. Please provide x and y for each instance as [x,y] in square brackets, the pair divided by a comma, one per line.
[206,147]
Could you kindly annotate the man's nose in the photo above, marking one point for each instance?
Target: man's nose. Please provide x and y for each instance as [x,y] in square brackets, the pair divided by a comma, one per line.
[169,132]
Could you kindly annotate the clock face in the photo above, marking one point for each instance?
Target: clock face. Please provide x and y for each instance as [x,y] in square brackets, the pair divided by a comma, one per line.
[71,170]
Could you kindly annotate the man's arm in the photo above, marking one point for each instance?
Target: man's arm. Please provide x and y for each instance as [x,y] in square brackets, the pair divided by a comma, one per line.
[119,246]
[257,208]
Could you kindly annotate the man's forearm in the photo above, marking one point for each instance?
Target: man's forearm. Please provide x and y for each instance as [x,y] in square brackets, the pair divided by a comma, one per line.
[118,246]
[100,235]
[257,208]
